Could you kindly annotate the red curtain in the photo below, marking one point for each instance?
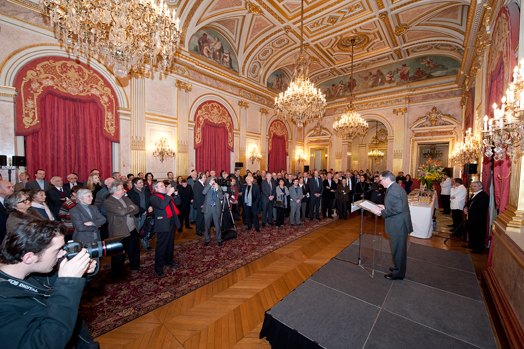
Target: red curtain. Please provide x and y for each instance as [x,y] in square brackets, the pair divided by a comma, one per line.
[277,155]
[214,153]
[69,140]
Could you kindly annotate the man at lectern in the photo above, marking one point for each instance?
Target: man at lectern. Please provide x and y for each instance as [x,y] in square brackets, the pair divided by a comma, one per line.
[398,223]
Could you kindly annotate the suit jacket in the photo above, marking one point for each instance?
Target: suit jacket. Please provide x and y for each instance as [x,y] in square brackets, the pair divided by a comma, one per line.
[314,188]
[16,217]
[207,192]
[396,213]
[477,211]
[294,196]
[19,186]
[117,215]
[255,195]
[84,233]
[3,221]
[343,192]
[68,185]
[267,191]
[135,197]
[162,204]
[33,185]
[55,199]
[198,197]
[327,192]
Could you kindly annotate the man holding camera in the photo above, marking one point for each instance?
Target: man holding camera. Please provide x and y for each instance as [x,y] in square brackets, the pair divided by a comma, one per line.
[212,209]
[166,218]
[36,310]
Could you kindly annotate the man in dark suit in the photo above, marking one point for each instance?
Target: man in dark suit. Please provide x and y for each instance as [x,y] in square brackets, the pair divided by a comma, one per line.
[251,197]
[166,220]
[330,189]
[316,189]
[6,189]
[140,195]
[39,182]
[56,195]
[398,223]
[72,180]
[198,203]
[477,211]
[268,198]
[212,210]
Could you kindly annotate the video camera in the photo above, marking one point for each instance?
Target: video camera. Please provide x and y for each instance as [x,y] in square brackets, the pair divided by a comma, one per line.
[224,184]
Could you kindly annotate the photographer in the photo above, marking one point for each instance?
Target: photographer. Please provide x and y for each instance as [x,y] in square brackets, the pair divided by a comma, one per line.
[225,183]
[212,210]
[41,311]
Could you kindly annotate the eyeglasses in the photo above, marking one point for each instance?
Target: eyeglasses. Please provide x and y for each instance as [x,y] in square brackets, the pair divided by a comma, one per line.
[23,201]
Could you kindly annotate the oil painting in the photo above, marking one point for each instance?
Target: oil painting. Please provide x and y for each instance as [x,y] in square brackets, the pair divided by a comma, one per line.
[212,46]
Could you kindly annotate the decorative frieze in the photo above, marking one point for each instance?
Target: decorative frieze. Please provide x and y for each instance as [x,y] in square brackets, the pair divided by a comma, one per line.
[243,104]
[181,85]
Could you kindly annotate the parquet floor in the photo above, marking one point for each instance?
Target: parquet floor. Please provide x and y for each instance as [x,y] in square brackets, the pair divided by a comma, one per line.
[228,312]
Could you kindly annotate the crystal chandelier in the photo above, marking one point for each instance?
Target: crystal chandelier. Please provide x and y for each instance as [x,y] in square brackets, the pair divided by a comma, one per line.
[375,154]
[433,152]
[467,152]
[255,155]
[163,151]
[301,102]
[350,124]
[124,34]
[504,134]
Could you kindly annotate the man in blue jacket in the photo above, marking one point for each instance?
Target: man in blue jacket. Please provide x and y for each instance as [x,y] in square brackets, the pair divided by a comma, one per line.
[39,310]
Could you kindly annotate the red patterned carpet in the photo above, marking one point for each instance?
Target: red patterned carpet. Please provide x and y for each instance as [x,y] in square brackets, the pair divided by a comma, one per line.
[141,291]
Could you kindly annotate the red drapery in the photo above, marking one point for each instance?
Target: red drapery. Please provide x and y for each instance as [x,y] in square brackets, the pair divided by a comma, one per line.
[277,155]
[70,139]
[214,153]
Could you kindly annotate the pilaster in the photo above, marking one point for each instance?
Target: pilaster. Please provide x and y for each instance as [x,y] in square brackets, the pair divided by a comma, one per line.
[138,124]
[263,136]
[399,128]
[182,160]
[243,127]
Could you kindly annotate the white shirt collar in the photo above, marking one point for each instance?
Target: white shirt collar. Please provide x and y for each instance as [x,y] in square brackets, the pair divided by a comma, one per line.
[390,185]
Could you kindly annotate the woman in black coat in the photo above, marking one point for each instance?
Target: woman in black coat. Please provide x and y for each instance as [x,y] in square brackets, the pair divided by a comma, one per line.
[186,198]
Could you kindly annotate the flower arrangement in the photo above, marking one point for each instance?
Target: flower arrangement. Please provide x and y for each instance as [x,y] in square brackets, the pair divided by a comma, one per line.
[430,172]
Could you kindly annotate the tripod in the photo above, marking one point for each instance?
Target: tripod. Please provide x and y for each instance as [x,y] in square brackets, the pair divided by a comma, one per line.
[227,203]
[455,231]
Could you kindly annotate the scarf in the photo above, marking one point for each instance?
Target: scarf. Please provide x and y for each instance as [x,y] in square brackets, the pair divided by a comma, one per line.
[45,208]
[169,210]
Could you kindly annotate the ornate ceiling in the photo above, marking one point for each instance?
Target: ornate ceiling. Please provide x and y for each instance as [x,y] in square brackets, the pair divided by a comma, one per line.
[265,34]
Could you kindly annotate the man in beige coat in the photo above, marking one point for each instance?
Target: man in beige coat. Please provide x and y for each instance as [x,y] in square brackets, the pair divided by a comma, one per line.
[120,212]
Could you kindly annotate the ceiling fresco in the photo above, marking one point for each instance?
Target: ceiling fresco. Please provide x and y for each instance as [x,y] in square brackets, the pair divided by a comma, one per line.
[262,38]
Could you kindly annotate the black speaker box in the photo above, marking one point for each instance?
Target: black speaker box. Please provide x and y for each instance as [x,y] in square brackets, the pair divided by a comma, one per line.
[3,160]
[19,161]
[471,168]
[239,164]
[306,168]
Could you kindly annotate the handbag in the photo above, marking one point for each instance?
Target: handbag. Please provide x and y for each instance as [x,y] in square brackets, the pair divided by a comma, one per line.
[279,204]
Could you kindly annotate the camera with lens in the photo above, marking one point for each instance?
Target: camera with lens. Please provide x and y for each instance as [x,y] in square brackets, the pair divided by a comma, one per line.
[108,247]
[224,184]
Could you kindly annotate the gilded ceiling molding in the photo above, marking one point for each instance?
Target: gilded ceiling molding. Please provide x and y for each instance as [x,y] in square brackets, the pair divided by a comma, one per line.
[255,48]
[252,8]
[188,19]
[401,29]
[385,18]
[404,4]
[27,5]
[329,6]
[181,85]
[270,11]
[264,111]
[398,52]
[380,4]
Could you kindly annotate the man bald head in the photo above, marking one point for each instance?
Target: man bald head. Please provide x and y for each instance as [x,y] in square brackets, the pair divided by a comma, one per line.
[6,189]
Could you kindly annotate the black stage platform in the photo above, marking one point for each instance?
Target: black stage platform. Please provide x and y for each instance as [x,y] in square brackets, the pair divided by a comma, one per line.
[438,305]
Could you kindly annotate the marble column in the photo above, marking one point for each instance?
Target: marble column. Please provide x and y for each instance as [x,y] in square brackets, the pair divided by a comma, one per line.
[182,160]
[362,156]
[244,106]
[391,153]
[338,151]
[355,154]
[398,144]
[138,125]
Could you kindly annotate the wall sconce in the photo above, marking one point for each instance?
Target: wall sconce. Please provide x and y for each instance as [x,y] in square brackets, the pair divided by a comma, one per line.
[349,153]
[301,158]
[255,155]
[163,151]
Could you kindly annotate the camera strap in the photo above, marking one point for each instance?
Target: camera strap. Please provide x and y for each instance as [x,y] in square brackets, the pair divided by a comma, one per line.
[44,291]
